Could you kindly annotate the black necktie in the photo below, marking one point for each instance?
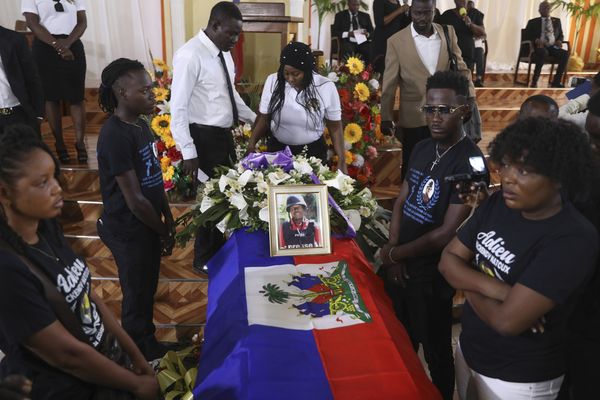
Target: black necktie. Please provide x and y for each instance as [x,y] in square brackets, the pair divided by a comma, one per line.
[229,89]
[354,22]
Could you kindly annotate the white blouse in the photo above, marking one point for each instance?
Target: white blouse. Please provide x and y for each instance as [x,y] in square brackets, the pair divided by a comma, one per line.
[295,125]
[57,23]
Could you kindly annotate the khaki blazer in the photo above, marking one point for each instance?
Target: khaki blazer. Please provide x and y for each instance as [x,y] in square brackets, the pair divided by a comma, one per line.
[404,68]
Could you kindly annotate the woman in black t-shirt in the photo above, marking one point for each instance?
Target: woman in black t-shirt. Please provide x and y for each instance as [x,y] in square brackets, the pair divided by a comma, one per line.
[522,260]
[390,17]
[33,337]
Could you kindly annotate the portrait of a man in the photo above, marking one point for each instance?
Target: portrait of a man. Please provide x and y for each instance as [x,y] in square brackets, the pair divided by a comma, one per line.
[297,230]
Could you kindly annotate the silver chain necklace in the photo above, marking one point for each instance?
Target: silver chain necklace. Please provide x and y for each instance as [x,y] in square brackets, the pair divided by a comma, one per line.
[438,156]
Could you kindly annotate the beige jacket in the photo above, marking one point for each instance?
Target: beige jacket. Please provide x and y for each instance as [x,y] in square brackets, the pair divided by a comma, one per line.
[404,68]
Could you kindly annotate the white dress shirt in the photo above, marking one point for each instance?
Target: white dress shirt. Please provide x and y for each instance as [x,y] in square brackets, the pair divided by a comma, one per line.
[428,48]
[7,97]
[352,27]
[57,23]
[295,125]
[199,92]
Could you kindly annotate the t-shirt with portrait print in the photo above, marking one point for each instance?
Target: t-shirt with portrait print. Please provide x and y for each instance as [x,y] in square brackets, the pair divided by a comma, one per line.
[123,147]
[429,196]
[25,310]
[554,257]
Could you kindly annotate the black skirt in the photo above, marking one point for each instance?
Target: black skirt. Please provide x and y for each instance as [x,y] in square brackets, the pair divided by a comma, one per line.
[62,80]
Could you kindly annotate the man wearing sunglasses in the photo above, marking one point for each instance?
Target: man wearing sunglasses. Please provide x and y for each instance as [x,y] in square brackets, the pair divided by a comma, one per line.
[414,54]
[425,217]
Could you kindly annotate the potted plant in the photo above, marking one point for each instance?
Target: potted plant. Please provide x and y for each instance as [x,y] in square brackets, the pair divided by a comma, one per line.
[577,9]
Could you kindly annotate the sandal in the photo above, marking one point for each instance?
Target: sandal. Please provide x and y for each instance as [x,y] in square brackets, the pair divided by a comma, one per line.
[63,154]
[82,155]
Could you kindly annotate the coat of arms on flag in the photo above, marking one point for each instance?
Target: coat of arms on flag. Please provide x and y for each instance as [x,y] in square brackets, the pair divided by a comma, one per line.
[305,296]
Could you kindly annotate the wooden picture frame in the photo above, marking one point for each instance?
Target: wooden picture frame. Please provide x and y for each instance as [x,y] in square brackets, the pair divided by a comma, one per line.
[299,220]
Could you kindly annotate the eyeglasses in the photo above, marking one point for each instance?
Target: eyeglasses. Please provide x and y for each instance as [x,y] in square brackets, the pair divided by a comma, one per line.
[441,109]
[58,6]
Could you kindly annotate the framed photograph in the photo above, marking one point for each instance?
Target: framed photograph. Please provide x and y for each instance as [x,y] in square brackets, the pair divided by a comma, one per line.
[299,220]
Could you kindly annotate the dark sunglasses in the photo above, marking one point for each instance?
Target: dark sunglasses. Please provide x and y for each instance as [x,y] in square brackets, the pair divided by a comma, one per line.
[441,109]
[58,6]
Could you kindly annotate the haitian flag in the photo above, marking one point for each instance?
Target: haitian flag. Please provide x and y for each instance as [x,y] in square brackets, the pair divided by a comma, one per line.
[309,327]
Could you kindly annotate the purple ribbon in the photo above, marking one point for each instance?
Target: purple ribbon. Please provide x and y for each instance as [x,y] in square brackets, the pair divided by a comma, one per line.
[285,160]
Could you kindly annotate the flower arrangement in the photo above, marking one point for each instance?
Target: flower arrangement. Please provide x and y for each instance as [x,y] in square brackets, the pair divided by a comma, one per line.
[239,197]
[176,183]
[358,87]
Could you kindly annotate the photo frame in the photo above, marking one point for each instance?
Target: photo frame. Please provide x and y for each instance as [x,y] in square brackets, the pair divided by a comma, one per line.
[299,220]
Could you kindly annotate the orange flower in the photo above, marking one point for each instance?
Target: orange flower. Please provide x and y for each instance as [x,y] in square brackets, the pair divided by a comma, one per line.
[349,157]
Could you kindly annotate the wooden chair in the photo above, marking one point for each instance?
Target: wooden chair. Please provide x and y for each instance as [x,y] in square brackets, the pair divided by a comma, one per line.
[526,51]
[336,48]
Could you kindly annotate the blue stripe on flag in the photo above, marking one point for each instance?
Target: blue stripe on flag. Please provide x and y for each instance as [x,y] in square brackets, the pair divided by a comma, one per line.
[252,362]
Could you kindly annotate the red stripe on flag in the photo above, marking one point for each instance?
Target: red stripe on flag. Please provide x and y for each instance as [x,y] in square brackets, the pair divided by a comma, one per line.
[373,360]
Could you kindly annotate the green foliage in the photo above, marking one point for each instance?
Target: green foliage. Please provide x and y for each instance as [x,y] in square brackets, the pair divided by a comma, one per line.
[577,8]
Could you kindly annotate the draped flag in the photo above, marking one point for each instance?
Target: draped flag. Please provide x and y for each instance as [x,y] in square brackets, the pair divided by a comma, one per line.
[309,327]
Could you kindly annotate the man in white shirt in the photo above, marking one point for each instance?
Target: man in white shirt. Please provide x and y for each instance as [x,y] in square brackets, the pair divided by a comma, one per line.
[205,105]
[413,55]
[21,93]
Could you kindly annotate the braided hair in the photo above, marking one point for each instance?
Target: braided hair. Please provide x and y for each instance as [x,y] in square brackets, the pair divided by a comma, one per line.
[299,56]
[110,75]
[16,145]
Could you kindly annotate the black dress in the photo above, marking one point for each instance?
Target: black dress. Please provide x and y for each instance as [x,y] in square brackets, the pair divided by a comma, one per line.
[381,8]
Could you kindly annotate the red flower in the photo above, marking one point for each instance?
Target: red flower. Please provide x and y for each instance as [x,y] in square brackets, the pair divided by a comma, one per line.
[174,154]
[353,171]
[160,146]
[169,185]
[365,75]
[347,111]
[345,95]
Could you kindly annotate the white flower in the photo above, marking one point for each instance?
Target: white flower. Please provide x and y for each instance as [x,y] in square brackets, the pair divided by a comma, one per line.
[223,182]
[341,182]
[275,178]
[262,187]
[303,167]
[365,211]
[207,203]
[221,226]
[358,161]
[240,167]
[365,194]
[347,146]
[354,218]
[238,201]
[263,214]
[164,108]
[374,84]
[244,178]
[332,76]
[243,215]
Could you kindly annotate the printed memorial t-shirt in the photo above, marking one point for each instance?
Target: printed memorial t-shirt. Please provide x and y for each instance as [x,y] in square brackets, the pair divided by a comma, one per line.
[25,309]
[554,257]
[123,147]
[429,196]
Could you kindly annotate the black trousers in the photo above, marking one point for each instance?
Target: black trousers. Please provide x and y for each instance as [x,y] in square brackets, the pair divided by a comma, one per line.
[137,255]
[19,116]
[479,62]
[540,55]
[349,48]
[215,147]
[317,149]
[426,313]
[409,137]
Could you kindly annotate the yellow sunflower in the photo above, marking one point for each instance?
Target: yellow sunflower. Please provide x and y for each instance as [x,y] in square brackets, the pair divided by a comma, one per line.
[168,174]
[327,137]
[352,133]
[165,163]
[160,94]
[355,65]
[169,141]
[160,64]
[161,124]
[349,156]
[361,91]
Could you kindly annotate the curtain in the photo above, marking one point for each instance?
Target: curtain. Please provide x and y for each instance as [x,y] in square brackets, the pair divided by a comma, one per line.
[503,23]
[116,28]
